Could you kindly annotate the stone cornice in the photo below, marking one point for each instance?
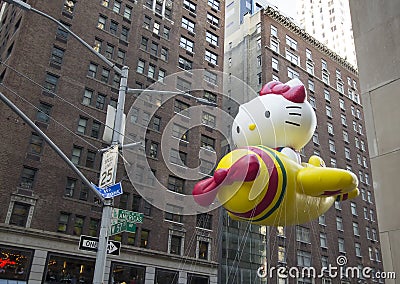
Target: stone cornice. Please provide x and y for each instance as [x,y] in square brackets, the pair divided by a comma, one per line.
[286,22]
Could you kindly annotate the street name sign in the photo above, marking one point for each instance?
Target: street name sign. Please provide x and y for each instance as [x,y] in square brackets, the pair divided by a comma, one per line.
[108,166]
[111,191]
[89,243]
[124,221]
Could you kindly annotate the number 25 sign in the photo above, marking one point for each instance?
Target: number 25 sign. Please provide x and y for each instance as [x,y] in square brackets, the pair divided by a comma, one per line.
[108,163]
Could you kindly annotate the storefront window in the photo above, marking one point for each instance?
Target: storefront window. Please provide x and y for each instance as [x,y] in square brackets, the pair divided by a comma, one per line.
[197,279]
[15,264]
[129,274]
[63,269]
[166,277]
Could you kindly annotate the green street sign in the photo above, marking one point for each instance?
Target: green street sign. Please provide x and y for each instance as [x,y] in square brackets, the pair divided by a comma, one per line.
[130,227]
[130,216]
[118,228]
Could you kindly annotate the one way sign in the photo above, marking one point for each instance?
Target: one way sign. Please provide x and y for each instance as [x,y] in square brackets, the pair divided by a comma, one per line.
[89,243]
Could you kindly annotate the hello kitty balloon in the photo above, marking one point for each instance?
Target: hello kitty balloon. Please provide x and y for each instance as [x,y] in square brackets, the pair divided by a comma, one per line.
[263,180]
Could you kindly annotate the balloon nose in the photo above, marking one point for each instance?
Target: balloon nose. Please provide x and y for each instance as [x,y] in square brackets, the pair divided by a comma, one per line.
[252,126]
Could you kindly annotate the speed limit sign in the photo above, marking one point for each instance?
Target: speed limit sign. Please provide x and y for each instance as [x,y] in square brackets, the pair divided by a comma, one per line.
[108,166]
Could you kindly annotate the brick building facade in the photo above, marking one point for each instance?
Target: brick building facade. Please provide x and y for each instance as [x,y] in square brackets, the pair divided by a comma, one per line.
[269,46]
[65,90]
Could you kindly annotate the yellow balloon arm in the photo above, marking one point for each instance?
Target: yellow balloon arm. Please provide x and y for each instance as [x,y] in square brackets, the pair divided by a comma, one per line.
[322,181]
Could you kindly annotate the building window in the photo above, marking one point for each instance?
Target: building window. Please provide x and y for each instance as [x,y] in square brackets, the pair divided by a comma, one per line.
[303,258]
[43,114]
[186,44]
[204,221]
[19,214]
[212,20]
[90,159]
[211,38]
[176,184]
[207,142]
[121,57]
[166,32]
[146,22]
[357,247]
[355,229]
[211,57]
[167,276]
[105,74]
[203,247]
[84,192]
[372,215]
[275,64]
[327,95]
[50,83]
[128,12]
[69,6]
[153,152]
[63,221]
[328,111]
[101,101]
[92,70]
[140,66]
[156,28]
[333,163]
[57,55]
[175,245]
[181,107]
[154,48]
[95,133]
[291,42]
[312,101]
[76,155]
[292,74]
[347,153]
[310,68]
[188,24]
[210,77]
[208,119]
[113,27]
[101,23]
[178,157]
[161,75]
[82,124]
[311,86]
[330,128]
[345,136]
[151,72]
[144,238]
[184,63]
[175,217]
[124,33]
[93,227]
[36,144]
[210,97]
[339,223]
[341,246]
[184,86]
[180,132]
[323,240]
[325,77]
[332,146]
[292,57]
[189,5]
[164,54]
[70,187]
[78,225]
[274,31]
[315,138]
[274,45]
[214,4]
[63,33]
[302,234]
[27,177]
[353,208]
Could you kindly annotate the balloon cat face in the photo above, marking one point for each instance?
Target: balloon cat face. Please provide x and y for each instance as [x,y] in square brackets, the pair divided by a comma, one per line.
[280,117]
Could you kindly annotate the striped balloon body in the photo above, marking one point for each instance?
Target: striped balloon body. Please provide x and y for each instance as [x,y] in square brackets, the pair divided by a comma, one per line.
[275,197]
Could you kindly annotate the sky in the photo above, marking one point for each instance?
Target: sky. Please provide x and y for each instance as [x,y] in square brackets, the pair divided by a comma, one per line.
[286,6]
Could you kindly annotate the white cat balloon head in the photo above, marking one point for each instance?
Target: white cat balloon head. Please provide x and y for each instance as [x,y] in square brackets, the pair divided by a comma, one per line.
[280,117]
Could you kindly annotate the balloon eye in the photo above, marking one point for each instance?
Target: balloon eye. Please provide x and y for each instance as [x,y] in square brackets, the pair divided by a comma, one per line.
[238,129]
[267,114]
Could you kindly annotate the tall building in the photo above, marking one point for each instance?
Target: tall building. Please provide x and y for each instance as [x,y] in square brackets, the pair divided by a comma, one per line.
[268,46]
[65,90]
[236,10]
[379,79]
[330,23]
